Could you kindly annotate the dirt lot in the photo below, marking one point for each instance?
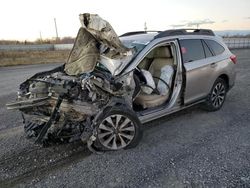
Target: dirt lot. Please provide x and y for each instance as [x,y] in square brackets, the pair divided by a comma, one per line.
[192,148]
[11,58]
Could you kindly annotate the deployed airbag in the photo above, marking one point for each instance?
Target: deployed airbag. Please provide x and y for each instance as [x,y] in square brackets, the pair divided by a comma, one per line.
[149,81]
[166,74]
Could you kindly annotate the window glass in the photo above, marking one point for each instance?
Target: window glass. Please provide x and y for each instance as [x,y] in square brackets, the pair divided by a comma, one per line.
[215,46]
[208,52]
[192,50]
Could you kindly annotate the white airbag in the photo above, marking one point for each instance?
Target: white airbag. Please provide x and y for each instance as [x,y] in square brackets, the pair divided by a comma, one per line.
[149,81]
[166,74]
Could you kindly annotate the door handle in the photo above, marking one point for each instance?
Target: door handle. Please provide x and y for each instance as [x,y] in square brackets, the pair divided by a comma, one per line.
[213,65]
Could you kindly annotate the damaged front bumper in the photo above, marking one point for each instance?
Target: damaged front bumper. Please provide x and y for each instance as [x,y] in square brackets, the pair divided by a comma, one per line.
[27,103]
[66,103]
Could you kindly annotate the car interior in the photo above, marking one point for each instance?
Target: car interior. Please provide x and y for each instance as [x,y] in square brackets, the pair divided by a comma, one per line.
[154,78]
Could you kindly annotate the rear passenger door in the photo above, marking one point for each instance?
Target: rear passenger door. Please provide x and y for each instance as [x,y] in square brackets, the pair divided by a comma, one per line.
[198,67]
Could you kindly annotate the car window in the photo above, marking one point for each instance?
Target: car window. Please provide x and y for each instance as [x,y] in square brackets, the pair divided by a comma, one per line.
[208,52]
[215,47]
[192,50]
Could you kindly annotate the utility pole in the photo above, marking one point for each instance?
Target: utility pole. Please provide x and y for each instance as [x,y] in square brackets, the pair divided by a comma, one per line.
[56,29]
[145,27]
[41,39]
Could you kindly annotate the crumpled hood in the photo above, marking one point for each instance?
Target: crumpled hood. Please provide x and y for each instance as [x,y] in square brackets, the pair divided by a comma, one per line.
[96,41]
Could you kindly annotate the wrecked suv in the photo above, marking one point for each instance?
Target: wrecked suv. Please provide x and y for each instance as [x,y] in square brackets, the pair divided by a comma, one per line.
[110,85]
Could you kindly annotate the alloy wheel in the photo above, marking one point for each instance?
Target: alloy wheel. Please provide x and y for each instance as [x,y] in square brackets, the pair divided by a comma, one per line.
[116,132]
[218,95]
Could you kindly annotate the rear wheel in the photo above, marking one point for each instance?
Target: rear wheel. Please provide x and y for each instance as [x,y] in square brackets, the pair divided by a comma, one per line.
[217,95]
[118,129]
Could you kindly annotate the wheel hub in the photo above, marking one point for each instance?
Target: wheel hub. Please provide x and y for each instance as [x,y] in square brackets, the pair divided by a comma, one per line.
[116,132]
[218,95]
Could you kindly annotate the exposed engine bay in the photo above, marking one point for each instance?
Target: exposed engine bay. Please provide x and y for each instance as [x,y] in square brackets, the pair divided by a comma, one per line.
[64,104]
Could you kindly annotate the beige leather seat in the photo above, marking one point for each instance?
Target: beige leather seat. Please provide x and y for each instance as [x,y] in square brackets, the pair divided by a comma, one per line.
[162,57]
[145,63]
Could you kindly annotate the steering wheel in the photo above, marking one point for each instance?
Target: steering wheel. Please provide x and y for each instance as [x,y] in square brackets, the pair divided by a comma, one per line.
[162,81]
[155,90]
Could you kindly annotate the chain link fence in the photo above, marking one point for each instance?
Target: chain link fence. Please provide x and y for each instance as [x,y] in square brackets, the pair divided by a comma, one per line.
[231,42]
[237,42]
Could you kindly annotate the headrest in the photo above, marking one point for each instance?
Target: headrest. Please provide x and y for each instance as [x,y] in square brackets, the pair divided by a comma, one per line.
[162,52]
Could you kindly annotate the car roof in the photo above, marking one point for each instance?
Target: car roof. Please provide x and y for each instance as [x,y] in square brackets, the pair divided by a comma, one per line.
[145,36]
[142,38]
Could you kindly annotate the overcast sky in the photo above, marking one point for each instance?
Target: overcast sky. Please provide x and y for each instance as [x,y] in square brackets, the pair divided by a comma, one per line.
[25,19]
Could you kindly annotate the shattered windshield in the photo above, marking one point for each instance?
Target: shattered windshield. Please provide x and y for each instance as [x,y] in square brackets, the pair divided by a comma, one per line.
[113,65]
[137,45]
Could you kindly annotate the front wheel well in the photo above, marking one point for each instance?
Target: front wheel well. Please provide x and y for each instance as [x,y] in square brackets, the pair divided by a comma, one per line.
[225,78]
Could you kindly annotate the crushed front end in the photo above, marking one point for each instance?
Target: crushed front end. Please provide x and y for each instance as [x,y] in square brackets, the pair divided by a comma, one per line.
[64,104]
[61,108]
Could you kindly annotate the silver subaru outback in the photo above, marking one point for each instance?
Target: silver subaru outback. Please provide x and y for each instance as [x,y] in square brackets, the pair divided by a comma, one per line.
[111,85]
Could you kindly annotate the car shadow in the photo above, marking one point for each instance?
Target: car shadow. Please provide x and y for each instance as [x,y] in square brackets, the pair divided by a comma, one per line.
[34,162]
[196,109]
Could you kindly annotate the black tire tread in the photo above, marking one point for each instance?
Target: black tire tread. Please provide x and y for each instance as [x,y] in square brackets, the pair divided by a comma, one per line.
[208,106]
[129,113]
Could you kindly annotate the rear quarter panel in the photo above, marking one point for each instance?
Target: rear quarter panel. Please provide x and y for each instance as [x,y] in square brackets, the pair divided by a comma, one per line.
[201,76]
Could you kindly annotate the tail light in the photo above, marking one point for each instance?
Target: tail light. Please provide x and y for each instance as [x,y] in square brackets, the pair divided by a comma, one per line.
[233,59]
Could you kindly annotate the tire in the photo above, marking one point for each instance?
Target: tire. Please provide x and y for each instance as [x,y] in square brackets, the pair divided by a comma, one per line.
[32,129]
[118,128]
[217,95]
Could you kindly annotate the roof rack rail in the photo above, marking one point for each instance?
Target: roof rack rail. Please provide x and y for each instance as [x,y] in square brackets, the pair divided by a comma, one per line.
[175,32]
[138,32]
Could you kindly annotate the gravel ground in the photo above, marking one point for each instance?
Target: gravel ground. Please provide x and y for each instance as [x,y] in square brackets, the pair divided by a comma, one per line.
[191,148]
